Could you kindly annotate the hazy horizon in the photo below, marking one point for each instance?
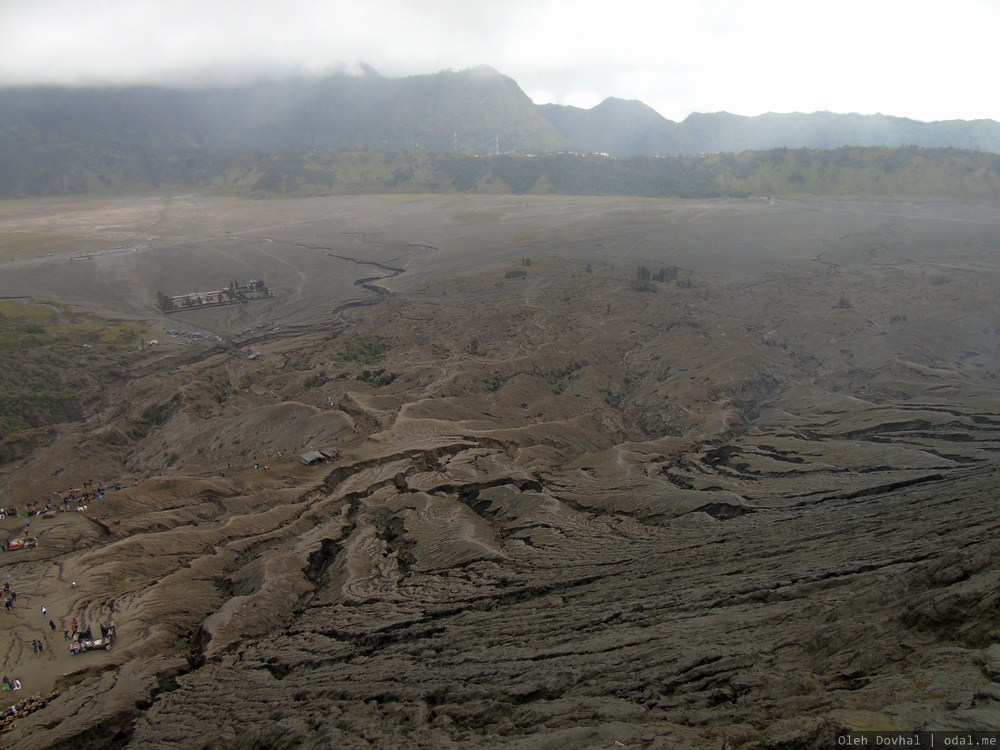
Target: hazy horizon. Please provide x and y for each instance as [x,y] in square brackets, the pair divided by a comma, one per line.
[745,59]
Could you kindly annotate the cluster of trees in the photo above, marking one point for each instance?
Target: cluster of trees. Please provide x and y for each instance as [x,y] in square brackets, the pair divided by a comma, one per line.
[644,277]
[164,302]
[844,172]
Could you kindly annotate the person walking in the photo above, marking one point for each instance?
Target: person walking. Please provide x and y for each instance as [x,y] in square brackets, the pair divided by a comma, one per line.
[44,611]
[52,625]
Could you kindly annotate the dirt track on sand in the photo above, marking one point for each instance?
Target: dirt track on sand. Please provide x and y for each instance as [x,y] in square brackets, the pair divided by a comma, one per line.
[754,505]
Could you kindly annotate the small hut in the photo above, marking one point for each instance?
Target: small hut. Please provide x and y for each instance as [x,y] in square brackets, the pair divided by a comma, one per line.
[318,457]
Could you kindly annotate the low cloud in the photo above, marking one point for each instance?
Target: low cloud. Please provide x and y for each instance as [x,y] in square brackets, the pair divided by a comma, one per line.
[919,61]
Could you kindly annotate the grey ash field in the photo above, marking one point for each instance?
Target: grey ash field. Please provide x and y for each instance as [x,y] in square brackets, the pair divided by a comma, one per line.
[754,505]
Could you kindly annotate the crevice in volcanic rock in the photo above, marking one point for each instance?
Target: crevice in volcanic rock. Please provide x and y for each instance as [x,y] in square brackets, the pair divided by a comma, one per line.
[468,494]
[423,460]
[723,511]
[424,627]
[110,734]
[321,559]
[880,489]
[796,587]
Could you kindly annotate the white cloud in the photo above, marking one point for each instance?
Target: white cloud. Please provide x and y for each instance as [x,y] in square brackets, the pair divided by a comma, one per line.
[926,60]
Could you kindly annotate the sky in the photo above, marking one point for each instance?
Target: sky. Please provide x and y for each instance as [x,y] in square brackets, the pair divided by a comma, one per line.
[923,59]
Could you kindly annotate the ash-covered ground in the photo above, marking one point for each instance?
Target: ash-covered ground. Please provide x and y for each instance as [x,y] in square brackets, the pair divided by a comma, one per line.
[750,503]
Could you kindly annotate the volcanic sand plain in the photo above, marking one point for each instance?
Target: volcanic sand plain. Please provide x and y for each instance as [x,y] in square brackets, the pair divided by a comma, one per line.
[751,505]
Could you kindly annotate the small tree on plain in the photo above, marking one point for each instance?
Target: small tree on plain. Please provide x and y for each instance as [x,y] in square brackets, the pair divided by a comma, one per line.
[164,302]
[642,277]
[666,274]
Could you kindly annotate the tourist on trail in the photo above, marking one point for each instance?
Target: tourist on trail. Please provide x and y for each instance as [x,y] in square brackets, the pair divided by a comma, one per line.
[52,625]
[44,611]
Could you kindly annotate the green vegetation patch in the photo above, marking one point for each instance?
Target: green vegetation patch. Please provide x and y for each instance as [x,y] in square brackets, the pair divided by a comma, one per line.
[154,415]
[364,351]
[29,325]
[849,172]
[54,366]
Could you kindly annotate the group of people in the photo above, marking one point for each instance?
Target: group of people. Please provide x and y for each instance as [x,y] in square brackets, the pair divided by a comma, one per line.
[74,498]
[9,596]
[37,646]
[81,640]
[78,496]
[20,710]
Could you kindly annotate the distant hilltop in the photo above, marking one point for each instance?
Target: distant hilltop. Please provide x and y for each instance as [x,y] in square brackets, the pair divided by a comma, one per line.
[476,111]
[290,137]
[629,128]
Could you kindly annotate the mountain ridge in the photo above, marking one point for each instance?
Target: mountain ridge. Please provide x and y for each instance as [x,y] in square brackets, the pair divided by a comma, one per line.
[289,137]
[477,110]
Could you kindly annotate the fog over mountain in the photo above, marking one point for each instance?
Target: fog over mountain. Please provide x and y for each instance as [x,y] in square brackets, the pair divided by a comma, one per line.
[63,140]
[477,111]
[678,57]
